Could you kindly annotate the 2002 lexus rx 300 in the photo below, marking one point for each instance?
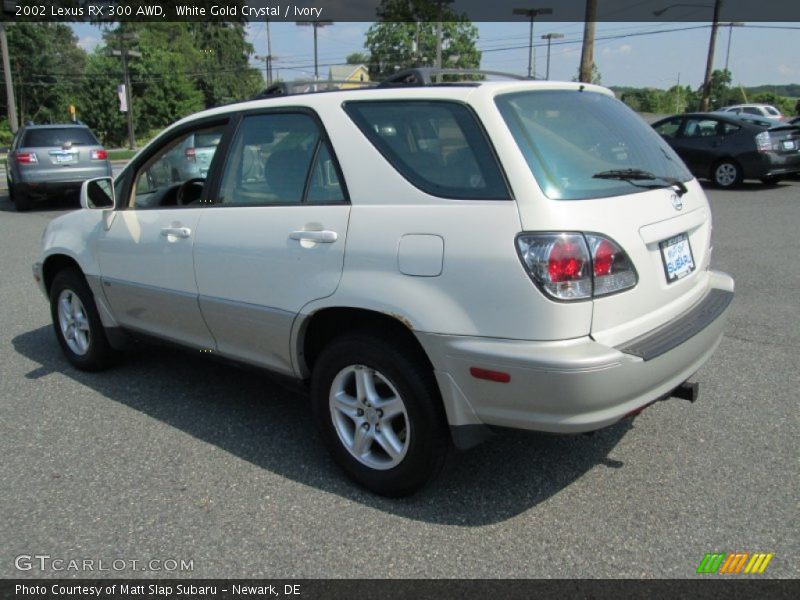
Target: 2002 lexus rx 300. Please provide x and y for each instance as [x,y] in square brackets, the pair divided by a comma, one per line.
[432,260]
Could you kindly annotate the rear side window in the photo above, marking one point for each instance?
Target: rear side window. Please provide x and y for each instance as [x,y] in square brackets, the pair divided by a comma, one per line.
[58,136]
[438,146]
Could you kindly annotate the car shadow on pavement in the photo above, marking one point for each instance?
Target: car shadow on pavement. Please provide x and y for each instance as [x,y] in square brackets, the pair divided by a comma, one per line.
[267,423]
[58,202]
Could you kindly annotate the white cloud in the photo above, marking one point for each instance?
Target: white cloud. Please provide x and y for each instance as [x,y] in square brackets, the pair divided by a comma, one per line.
[786,70]
[618,51]
[89,42]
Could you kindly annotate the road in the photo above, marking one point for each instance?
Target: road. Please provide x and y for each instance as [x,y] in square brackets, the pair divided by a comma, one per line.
[174,456]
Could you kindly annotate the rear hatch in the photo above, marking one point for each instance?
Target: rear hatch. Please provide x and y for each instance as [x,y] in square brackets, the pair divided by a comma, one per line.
[604,174]
[784,141]
[61,154]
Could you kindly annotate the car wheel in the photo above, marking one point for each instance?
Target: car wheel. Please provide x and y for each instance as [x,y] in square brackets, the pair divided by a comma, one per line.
[770,180]
[380,414]
[10,188]
[77,323]
[20,199]
[727,174]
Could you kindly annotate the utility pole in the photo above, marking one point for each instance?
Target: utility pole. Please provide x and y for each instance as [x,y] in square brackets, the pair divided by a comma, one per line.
[439,32]
[11,103]
[704,104]
[550,37]
[531,13]
[730,26]
[125,52]
[316,25]
[587,52]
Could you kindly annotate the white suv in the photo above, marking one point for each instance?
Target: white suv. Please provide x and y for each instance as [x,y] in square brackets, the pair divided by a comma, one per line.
[434,261]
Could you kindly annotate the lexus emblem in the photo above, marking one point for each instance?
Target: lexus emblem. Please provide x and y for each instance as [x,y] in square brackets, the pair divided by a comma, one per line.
[677,203]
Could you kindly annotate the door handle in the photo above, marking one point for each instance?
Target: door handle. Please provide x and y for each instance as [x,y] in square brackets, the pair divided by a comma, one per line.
[322,237]
[180,232]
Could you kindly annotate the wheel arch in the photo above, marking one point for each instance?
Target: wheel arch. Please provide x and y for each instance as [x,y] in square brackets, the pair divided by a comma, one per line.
[326,324]
[55,263]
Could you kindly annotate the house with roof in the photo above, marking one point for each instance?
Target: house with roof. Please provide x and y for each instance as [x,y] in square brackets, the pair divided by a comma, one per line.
[342,74]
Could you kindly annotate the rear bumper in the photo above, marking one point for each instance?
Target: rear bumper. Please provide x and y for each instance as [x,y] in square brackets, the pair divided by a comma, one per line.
[575,385]
[768,164]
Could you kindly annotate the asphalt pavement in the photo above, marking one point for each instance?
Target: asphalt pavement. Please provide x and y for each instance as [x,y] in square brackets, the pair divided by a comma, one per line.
[172,456]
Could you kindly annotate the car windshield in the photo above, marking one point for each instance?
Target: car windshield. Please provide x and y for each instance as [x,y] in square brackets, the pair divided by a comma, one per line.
[59,136]
[569,137]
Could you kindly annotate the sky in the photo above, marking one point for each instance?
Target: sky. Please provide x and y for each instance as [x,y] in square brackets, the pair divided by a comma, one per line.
[760,53]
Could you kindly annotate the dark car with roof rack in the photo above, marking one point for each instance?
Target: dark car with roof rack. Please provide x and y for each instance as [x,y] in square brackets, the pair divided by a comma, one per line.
[49,159]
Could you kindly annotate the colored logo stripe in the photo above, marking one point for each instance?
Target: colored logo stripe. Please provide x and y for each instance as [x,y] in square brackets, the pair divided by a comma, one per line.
[734,563]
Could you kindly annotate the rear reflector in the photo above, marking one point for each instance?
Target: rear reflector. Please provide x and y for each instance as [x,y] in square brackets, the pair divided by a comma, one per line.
[99,155]
[489,375]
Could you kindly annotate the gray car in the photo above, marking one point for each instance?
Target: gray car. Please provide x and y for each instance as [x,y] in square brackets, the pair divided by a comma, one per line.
[45,159]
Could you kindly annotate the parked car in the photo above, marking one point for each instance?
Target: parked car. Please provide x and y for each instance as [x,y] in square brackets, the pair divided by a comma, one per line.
[759,110]
[433,261]
[45,159]
[727,148]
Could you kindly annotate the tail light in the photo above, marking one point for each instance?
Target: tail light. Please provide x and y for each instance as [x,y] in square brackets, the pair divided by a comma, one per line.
[99,155]
[191,155]
[763,142]
[575,266]
[26,158]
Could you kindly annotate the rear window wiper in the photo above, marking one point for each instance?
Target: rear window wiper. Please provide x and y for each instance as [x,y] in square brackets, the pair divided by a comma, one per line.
[631,175]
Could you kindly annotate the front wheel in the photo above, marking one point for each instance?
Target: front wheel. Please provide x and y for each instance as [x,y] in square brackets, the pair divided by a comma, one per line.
[380,414]
[77,323]
[727,174]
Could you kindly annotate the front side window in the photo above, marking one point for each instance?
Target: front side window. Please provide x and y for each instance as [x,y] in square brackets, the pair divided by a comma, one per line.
[280,158]
[176,174]
[669,128]
[438,146]
[581,144]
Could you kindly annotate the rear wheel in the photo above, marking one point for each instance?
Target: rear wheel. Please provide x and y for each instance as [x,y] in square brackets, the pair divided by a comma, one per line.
[77,323]
[380,414]
[727,173]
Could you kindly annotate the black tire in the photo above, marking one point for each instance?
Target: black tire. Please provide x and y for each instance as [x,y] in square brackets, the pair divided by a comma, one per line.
[10,188]
[20,199]
[99,354]
[774,180]
[427,440]
[727,173]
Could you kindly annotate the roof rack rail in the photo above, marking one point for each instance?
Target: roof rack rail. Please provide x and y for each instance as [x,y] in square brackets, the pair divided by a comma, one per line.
[309,86]
[422,76]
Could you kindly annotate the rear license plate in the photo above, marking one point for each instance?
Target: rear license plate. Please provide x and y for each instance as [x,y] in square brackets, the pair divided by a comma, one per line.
[64,158]
[788,145]
[676,252]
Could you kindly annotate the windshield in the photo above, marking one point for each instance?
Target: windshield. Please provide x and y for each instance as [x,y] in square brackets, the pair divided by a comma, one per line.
[568,137]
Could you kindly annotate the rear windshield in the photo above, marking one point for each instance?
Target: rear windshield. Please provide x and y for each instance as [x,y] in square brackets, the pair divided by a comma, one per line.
[771,111]
[569,137]
[58,136]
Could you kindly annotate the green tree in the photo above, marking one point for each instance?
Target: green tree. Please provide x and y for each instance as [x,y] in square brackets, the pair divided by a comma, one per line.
[222,61]
[406,37]
[720,88]
[597,77]
[357,58]
[47,66]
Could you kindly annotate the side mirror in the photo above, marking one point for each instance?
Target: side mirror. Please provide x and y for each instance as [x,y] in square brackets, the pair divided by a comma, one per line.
[98,193]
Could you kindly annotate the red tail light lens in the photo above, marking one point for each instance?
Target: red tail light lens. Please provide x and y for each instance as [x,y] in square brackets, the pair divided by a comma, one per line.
[575,266]
[26,158]
[191,155]
[99,155]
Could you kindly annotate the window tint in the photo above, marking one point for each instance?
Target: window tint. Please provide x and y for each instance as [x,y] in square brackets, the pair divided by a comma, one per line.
[669,128]
[270,162]
[729,128]
[438,146]
[568,137]
[58,136]
[771,111]
[160,181]
[701,128]
[750,110]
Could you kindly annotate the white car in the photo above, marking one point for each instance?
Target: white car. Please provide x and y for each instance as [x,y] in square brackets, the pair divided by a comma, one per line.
[760,110]
[434,261]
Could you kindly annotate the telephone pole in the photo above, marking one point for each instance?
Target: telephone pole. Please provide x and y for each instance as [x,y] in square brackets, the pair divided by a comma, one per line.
[12,106]
[531,13]
[125,52]
[587,52]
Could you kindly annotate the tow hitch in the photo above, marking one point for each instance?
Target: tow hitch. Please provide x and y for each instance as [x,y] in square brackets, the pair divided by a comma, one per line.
[686,391]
